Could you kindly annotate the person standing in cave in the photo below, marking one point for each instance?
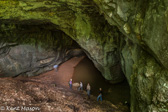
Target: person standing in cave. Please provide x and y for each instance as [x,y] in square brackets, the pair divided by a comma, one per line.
[70,83]
[55,67]
[100,95]
[80,86]
[88,88]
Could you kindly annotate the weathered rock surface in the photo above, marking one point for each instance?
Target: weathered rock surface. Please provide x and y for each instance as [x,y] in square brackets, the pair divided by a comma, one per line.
[26,51]
[141,52]
[26,59]
[78,19]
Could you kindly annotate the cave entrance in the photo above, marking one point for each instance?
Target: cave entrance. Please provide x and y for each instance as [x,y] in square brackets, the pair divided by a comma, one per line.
[86,72]
[48,37]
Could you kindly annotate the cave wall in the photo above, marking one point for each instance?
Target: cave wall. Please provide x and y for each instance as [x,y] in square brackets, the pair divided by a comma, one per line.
[29,50]
[78,19]
[147,79]
[141,49]
[143,22]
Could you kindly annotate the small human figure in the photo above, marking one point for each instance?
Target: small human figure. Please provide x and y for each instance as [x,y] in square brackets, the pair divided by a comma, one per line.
[100,95]
[70,83]
[88,90]
[80,86]
[55,67]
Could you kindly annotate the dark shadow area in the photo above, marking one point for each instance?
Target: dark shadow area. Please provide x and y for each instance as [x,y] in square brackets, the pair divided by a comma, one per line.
[86,72]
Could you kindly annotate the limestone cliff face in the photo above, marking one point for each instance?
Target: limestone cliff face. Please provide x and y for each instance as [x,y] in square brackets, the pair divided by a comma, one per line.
[115,34]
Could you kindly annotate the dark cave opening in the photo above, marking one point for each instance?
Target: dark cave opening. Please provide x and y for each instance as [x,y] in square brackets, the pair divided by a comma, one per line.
[86,72]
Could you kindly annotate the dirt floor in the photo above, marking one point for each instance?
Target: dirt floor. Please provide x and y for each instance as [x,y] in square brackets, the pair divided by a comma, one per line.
[50,92]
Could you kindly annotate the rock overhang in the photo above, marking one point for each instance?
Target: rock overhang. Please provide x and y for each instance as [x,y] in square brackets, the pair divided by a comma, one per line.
[80,20]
